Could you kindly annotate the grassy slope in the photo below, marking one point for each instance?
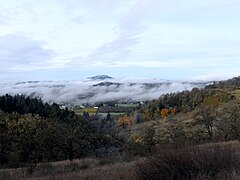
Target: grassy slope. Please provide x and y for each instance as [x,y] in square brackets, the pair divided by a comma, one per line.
[90,169]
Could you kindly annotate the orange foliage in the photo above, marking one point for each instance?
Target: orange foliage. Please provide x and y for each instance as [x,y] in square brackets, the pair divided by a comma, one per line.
[173,111]
[164,113]
[125,120]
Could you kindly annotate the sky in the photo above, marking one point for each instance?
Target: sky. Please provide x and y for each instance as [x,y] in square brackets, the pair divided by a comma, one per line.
[73,39]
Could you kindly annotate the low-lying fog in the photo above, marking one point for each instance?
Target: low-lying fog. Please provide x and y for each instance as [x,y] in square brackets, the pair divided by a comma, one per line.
[97,90]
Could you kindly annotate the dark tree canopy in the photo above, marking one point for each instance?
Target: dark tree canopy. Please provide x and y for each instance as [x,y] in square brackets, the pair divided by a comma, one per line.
[32,131]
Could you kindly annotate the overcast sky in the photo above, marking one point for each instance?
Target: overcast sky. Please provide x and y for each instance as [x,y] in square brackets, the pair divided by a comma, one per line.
[72,39]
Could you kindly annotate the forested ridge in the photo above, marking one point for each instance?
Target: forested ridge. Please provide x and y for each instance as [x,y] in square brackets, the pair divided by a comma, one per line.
[187,101]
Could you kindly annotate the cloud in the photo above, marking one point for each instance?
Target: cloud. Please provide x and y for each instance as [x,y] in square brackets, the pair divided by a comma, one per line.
[79,19]
[20,52]
[175,36]
[94,8]
[78,92]
[3,20]
[128,33]
[216,76]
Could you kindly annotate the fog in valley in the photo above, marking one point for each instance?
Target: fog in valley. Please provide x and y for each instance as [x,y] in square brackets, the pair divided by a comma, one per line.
[96,90]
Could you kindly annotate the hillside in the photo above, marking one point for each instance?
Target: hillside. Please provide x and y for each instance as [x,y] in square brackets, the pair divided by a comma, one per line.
[200,115]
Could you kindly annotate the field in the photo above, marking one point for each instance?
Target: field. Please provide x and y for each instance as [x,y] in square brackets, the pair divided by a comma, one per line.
[90,111]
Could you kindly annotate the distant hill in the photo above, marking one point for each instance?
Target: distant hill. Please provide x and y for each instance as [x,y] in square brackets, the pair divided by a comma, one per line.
[233,83]
[107,84]
[99,77]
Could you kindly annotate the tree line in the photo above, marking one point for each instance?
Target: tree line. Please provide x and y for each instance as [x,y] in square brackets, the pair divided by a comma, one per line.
[24,104]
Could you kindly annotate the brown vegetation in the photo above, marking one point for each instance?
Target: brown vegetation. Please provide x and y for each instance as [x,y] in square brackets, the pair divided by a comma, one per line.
[90,169]
[211,161]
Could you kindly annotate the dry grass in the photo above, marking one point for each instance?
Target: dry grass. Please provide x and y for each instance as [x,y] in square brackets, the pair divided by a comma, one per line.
[207,161]
[77,169]
[211,161]
[108,172]
[15,174]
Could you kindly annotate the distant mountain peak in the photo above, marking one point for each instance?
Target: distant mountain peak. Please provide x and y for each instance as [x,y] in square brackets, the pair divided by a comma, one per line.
[100,77]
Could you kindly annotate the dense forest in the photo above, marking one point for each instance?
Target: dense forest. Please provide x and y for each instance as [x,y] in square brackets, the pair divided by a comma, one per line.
[32,131]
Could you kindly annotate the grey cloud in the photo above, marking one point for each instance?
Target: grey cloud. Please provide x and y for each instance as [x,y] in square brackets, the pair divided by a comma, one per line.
[18,50]
[116,50]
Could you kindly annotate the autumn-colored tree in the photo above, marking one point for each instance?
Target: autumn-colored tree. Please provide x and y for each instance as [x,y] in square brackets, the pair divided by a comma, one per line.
[173,111]
[125,120]
[164,113]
